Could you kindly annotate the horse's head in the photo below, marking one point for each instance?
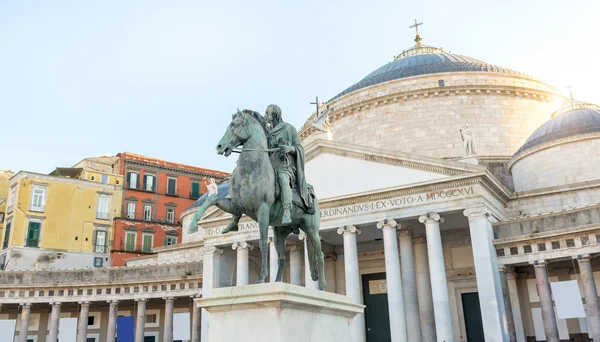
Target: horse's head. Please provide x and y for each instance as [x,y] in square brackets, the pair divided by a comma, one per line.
[236,134]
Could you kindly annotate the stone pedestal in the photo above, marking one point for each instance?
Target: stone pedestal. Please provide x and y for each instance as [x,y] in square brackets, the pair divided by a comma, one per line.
[278,312]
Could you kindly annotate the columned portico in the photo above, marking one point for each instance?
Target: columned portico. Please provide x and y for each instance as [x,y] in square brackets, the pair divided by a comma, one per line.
[82,323]
[548,314]
[491,300]
[352,276]
[242,249]
[140,320]
[111,331]
[591,296]
[296,265]
[24,325]
[439,285]
[409,286]
[424,290]
[53,322]
[211,272]
[394,281]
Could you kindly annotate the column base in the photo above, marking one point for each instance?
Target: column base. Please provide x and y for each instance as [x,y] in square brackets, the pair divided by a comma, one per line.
[278,312]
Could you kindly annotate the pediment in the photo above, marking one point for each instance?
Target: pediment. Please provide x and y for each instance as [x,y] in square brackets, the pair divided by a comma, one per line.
[335,169]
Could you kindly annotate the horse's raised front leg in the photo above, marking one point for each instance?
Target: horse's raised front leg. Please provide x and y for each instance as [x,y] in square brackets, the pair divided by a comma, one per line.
[280,234]
[225,204]
[210,200]
[263,226]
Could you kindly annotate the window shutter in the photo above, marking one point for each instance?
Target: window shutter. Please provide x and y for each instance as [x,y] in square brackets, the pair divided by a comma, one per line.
[129,179]
[166,240]
[137,184]
[153,182]
[145,181]
[94,240]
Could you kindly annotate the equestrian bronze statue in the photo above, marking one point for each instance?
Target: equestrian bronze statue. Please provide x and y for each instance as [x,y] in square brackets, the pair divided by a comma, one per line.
[269,186]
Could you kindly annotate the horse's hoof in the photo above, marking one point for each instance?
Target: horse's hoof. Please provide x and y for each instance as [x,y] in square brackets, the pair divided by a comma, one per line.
[260,281]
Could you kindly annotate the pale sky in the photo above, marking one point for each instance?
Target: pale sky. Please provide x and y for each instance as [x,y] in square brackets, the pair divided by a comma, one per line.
[162,78]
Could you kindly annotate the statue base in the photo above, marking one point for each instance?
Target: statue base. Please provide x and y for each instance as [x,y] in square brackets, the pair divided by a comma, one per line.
[278,312]
[469,160]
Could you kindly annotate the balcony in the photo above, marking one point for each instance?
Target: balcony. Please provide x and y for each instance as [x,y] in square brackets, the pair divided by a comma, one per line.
[32,243]
[39,209]
[102,215]
[131,215]
[100,248]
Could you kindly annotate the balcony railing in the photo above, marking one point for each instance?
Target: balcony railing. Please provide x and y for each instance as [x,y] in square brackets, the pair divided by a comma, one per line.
[32,243]
[131,216]
[100,248]
[102,215]
[37,208]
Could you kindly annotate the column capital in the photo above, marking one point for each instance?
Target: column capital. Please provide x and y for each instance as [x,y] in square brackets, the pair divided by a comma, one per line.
[211,250]
[502,268]
[26,305]
[539,263]
[169,298]
[294,247]
[387,223]
[582,257]
[349,229]
[56,303]
[84,303]
[429,217]
[477,212]
[112,302]
[242,245]
[140,300]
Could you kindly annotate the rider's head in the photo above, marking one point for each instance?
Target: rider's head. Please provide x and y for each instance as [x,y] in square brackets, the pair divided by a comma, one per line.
[273,114]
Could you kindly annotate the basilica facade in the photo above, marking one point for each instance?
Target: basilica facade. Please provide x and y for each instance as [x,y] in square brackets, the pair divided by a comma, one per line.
[459,200]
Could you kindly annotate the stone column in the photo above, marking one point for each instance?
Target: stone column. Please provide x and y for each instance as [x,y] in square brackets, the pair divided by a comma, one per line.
[394,283]
[352,274]
[409,285]
[242,262]
[82,322]
[111,330]
[140,320]
[168,329]
[273,263]
[53,322]
[296,265]
[548,315]
[424,290]
[591,296]
[510,321]
[197,321]
[515,303]
[439,285]
[489,288]
[210,279]
[308,282]
[24,323]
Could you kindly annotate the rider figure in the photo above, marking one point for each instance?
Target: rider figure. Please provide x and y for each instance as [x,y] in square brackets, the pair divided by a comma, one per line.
[288,161]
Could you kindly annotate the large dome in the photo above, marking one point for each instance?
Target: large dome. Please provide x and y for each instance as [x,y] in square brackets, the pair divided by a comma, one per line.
[569,121]
[422,60]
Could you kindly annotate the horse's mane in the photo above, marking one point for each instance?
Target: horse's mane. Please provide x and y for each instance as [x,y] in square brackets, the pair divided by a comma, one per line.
[262,121]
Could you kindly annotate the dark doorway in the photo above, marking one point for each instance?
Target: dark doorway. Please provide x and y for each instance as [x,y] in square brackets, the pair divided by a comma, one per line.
[472,312]
[377,319]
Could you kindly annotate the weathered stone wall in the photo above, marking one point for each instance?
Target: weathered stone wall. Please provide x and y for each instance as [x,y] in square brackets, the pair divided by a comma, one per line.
[185,252]
[549,202]
[427,122]
[29,258]
[567,163]
[100,275]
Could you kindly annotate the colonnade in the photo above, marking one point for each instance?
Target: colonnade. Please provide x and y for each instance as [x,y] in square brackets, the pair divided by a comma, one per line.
[111,328]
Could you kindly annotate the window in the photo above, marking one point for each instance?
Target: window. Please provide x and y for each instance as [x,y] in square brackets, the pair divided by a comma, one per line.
[97,263]
[585,240]
[131,210]
[527,249]
[500,252]
[147,212]
[151,319]
[100,241]
[33,234]
[514,251]
[147,243]
[541,247]
[91,320]
[149,182]
[11,198]
[195,190]
[133,180]
[170,215]
[570,242]
[130,241]
[103,211]
[555,244]
[6,234]
[38,198]
[170,240]
[172,186]
[104,179]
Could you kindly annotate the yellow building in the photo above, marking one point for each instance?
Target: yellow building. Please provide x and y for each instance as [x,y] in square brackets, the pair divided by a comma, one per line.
[61,220]
[4,180]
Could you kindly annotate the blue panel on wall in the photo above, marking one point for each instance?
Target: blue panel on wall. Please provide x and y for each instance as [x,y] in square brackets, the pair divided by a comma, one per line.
[125,330]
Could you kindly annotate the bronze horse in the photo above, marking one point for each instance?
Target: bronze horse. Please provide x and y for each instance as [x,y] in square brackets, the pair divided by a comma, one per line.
[252,193]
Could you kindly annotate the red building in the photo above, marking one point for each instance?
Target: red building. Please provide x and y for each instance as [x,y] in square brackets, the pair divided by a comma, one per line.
[156,193]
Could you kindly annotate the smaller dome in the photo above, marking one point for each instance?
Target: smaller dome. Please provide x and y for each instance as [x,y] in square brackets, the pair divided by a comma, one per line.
[222,192]
[575,119]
